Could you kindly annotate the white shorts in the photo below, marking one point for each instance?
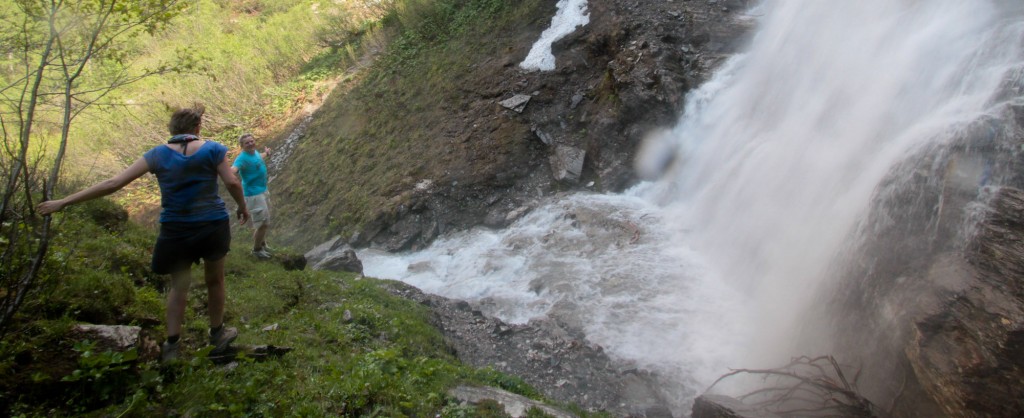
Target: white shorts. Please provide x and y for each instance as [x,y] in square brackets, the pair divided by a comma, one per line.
[259,208]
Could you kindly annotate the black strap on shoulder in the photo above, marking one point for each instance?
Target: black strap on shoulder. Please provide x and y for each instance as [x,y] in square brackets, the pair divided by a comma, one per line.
[183,139]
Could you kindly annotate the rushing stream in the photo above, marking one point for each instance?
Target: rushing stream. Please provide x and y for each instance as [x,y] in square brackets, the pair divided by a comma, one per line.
[773,165]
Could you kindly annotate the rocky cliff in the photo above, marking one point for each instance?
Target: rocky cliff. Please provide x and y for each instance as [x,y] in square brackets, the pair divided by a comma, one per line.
[930,304]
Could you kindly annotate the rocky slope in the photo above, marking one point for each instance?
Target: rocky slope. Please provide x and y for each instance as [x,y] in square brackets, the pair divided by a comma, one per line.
[617,79]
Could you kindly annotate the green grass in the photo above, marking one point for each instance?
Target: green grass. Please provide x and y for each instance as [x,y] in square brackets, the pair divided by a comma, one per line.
[386,361]
[358,350]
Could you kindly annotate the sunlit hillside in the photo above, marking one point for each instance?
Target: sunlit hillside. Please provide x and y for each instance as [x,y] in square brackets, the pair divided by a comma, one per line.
[253,64]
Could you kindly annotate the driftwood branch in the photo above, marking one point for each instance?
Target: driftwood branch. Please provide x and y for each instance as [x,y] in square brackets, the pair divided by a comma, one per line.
[807,387]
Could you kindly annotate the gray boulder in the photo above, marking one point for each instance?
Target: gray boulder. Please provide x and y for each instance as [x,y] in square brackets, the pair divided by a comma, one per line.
[567,163]
[720,406]
[515,406]
[115,338]
[345,260]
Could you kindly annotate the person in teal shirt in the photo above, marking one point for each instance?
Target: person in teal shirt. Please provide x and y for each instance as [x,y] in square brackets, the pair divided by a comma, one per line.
[252,170]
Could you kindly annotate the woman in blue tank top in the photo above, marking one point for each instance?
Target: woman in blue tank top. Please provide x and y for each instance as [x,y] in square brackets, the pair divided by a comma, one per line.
[193,220]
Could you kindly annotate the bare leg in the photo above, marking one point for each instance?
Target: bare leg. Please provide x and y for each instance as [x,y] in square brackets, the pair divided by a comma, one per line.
[259,237]
[177,298]
[214,273]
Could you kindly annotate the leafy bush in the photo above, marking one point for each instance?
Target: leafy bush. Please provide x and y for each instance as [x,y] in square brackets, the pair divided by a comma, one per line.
[102,376]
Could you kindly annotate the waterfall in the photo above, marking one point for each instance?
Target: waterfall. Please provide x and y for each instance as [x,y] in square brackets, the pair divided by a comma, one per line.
[775,168]
[774,164]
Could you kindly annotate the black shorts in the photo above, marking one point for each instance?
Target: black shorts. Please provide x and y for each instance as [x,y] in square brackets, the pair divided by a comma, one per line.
[182,243]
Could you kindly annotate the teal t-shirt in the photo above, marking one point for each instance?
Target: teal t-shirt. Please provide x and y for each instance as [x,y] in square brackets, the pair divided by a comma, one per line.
[253,172]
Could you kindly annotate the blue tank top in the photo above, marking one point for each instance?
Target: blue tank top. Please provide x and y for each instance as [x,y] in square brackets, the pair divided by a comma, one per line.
[188,184]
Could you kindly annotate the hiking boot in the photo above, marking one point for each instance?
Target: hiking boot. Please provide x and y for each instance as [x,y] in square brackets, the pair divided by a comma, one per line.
[261,254]
[266,248]
[221,340]
[169,352]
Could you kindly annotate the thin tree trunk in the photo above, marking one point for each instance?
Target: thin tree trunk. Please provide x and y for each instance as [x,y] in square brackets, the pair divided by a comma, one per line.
[19,162]
[20,281]
[26,280]
[69,81]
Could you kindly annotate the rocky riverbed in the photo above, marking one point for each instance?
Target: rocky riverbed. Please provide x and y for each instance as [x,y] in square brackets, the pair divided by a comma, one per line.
[559,363]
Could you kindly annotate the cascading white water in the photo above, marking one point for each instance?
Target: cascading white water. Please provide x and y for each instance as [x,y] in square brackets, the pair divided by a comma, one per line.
[776,160]
[779,165]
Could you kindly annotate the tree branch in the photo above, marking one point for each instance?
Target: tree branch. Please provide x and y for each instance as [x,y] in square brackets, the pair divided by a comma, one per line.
[816,386]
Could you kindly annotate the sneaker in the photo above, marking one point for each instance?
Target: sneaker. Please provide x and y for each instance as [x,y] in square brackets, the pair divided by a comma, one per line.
[221,340]
[169,352]
[261,254]
[267,249]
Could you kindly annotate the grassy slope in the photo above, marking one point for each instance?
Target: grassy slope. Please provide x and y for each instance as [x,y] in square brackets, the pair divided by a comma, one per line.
[406,120]
[255,65]
[358,351]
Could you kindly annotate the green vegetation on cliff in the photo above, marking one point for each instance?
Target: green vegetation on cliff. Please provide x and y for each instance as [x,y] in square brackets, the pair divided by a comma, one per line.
[408,117]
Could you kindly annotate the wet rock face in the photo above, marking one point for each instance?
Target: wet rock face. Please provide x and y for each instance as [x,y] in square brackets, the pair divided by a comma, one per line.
[968,350]
[933,310]
[618,78]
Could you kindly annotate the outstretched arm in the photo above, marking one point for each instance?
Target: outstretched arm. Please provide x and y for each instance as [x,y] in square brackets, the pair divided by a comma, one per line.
[234,186]
[103,188]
